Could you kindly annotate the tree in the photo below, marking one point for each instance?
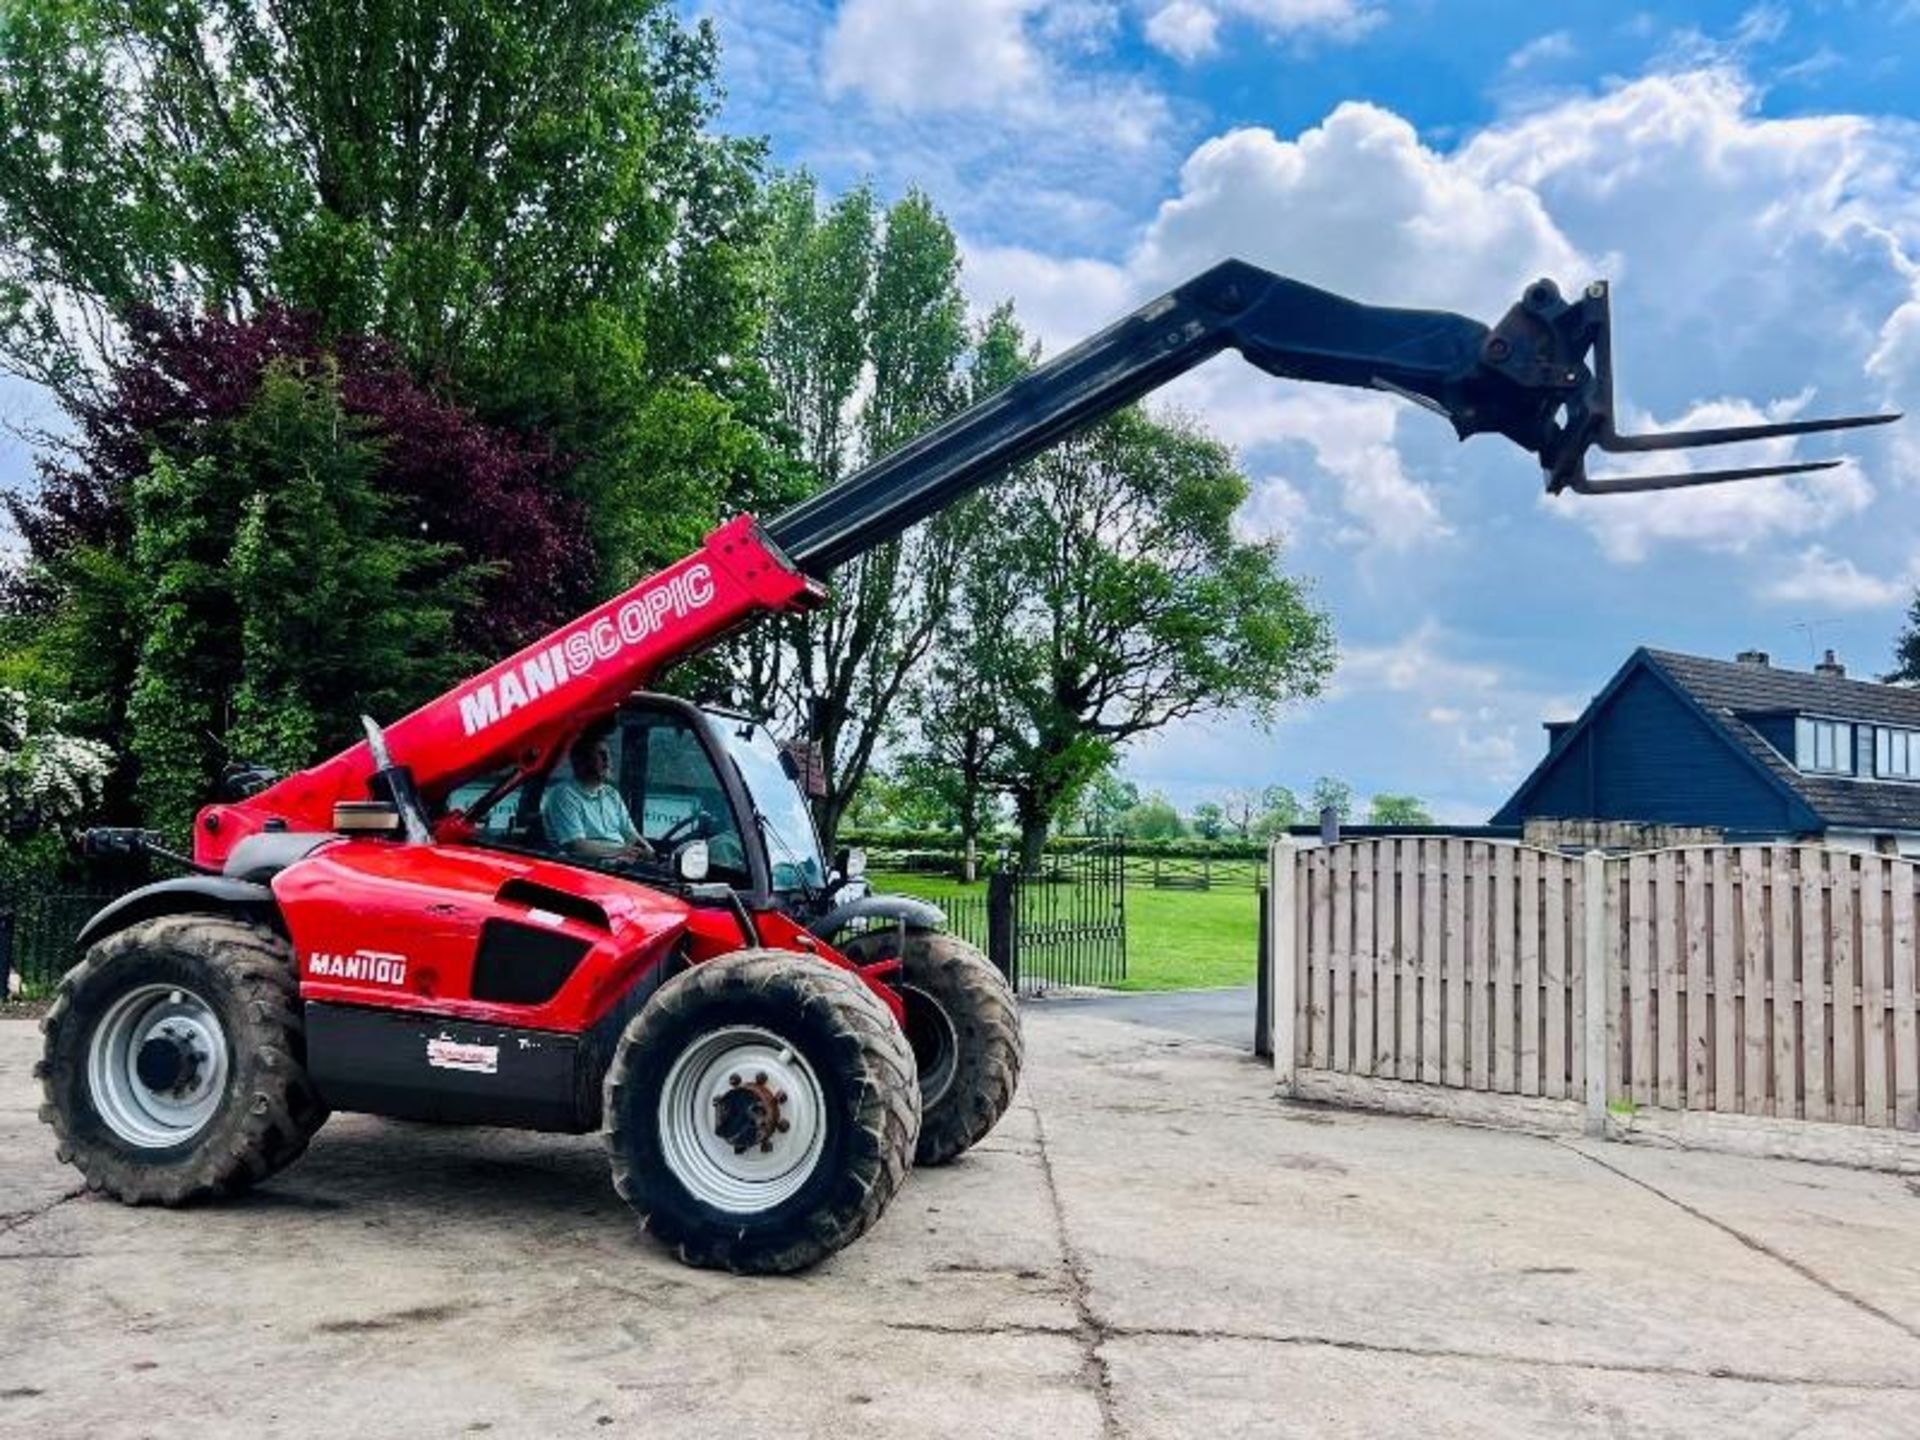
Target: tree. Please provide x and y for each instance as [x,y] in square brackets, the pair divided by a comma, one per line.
[49,778]
[270,594]
[1138,606]
[864,347]
[1398,810]
[524,198]
[1279,810]
[1906,649]
[1335,795]
[1104,801]
[1154,818]
[1209,819]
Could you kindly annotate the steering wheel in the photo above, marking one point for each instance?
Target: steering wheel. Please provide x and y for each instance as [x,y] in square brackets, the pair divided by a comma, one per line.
[696,826]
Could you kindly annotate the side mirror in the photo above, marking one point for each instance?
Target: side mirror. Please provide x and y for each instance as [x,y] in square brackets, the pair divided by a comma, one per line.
[692,861]
[851,863]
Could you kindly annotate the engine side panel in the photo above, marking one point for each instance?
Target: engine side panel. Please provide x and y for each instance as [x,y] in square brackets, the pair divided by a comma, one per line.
[403,928]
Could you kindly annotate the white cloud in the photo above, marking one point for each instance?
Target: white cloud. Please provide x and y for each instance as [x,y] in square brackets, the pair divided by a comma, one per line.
[1543,49]
[932,54]
[1187,29]
[1834,582]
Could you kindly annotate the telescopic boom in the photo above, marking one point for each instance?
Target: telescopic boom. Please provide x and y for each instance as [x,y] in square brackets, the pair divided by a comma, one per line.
[1542,377]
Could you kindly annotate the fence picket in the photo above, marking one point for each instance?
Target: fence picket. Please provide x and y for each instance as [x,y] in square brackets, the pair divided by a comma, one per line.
[1319,1002]
[1573,877]
[1906,1044]
[1640,980]
[1544,909]
[1430,954]
[1693,879]
[1454,966]
[1873,988]
[1303,957]
[1753,981]
[1846,1012]
[1504,998]
[1387,970]
[1785,1009]
[1726,1014]
[1341,959]
[1813,983]
[1362,958]
[1407,1017]
[1480,973]
[1666,936]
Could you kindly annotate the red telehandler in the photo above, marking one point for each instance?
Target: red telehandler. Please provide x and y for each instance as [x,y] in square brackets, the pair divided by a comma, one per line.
[418,928]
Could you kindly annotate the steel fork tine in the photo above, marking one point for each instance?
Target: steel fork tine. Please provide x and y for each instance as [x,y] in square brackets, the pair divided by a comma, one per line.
[1612,440]
[1682,479]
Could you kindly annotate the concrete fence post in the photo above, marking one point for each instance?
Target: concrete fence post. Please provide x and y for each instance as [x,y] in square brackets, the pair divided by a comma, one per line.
[1283,966]
[1597,963]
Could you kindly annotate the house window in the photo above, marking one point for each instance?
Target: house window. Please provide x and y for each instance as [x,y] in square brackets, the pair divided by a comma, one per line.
[1896,754]
[1824,746]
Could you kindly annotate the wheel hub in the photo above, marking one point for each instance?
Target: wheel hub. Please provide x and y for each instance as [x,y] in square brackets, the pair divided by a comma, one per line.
[743,1119]
[748,1115]
[157,1066]
[167,1062]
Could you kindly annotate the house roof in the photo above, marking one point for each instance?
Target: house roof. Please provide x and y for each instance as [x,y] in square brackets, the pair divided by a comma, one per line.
[1727,690]
[1724,692]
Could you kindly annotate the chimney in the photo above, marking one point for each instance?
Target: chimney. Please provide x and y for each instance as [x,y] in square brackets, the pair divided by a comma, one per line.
[1753,657]
[1831,668]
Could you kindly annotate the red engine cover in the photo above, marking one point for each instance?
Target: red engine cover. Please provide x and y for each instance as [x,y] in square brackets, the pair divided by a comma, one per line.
[399,927]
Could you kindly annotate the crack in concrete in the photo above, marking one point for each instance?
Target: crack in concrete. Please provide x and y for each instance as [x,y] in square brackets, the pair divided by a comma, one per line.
[1089,1329]
[1414,1352]
[1755,1244]
[18,1219]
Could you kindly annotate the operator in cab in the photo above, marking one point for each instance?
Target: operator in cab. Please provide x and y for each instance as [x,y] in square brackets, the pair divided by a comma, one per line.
[585,815]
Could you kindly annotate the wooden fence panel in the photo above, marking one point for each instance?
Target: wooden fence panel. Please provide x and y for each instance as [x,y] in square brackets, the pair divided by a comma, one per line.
[1765,980]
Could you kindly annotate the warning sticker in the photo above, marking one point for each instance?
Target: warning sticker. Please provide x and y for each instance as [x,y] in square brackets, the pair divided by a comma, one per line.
[445,1054]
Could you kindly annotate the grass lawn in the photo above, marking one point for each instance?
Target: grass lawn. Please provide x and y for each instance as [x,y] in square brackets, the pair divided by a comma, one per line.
[1176,939]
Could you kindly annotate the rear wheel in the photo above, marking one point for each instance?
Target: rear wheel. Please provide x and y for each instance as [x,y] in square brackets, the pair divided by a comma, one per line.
[761,1112]
[964,1026]
[175,1060]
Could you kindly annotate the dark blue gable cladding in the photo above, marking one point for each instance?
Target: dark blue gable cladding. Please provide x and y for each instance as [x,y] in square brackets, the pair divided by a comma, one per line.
[1646,750]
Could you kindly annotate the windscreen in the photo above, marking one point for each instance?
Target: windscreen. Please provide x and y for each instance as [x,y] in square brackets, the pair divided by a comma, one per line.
[793,849]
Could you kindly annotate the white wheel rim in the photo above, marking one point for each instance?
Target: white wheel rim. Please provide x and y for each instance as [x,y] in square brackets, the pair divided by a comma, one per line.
[146,1113]
[717,1079]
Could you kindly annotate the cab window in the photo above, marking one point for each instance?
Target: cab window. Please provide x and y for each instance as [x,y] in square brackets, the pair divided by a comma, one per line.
[674,793]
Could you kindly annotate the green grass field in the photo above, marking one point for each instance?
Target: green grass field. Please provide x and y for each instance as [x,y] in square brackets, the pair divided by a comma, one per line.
[1176,939]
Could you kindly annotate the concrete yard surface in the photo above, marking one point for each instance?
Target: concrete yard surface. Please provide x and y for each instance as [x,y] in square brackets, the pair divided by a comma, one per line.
[1151,1245]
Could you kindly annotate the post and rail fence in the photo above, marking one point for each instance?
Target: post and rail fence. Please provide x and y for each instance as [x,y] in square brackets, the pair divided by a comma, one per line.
[1767,982]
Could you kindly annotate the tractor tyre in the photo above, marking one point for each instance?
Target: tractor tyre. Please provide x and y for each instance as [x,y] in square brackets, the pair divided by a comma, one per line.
[964,1026]
[761,1112]
[174,1067]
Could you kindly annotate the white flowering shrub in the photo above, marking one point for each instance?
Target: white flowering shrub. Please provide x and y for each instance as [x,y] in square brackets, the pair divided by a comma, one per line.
[48,778]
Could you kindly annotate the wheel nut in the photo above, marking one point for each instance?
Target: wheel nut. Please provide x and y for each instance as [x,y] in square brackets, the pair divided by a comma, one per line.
[781,1098]
[761,1078]
[734,1080]
[765,1146]
[783,1127]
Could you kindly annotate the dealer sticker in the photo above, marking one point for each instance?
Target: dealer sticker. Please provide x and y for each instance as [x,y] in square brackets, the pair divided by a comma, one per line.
[445,1054]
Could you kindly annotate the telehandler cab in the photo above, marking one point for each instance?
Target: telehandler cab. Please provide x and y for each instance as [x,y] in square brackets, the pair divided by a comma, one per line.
[400,931]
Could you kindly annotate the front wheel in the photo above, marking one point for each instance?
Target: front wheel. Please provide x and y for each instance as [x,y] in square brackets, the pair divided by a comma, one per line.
[964,1026]
[761,1112]
[175,1061]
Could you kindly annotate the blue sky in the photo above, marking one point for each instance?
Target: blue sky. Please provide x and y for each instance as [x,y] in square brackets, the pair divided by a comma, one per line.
[1749,176]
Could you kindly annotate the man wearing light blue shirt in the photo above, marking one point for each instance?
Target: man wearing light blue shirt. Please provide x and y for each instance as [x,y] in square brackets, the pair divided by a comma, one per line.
[585,816]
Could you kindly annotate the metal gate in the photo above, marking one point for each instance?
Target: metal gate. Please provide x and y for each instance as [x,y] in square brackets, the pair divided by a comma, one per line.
[1063,924]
